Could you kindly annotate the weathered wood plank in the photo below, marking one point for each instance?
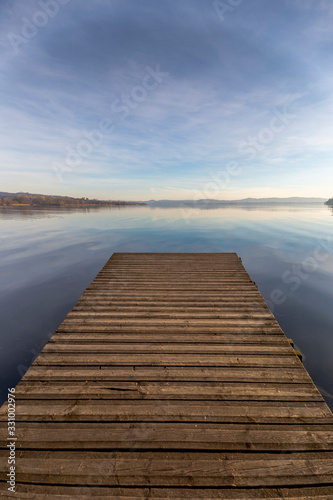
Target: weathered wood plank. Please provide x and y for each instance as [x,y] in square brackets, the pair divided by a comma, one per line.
[170,348]
[40,492]
[104,311]
[167,410]
[181,327]
[166,283]
[173,468]
[166,359]
[181,436]
[160,337]
[105,318]
[182,287]
[168,373]
[153,298]
[116,304]
[167,390]
[249,294]
[204,324]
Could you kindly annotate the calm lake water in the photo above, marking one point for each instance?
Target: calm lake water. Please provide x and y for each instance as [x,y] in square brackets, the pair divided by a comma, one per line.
[48,258]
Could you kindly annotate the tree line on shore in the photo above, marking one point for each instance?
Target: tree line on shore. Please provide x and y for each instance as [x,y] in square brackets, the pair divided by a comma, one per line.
[57,201]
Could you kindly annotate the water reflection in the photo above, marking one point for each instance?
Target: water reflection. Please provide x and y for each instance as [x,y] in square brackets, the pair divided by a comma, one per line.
[49,256]
[24,212]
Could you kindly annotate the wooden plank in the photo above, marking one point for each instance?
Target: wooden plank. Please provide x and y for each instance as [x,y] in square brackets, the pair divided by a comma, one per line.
[204,324]
[85,493]
[181,436]
[249,293]
[255,320]
[170,328]
[221,283]
[258,412]
[160,337]
[233,277]
[104,311]
[167,373]
[173,469]
[118,304]
[40,492]
[98,390]
[209,300]
[171,348]
[147,301]
[166,359]
[105,317]
[181,287]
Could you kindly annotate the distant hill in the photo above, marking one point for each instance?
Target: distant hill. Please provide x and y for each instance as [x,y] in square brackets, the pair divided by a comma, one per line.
[246,201]
[329,202]
[39,200]
[3,194]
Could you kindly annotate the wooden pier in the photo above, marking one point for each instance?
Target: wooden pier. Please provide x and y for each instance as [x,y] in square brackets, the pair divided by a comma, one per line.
[170,379]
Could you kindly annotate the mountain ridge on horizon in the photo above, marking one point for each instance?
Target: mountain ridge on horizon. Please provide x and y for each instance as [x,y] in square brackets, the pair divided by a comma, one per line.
[244,201]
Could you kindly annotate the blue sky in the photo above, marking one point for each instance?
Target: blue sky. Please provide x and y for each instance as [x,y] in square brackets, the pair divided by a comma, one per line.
[141,99]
